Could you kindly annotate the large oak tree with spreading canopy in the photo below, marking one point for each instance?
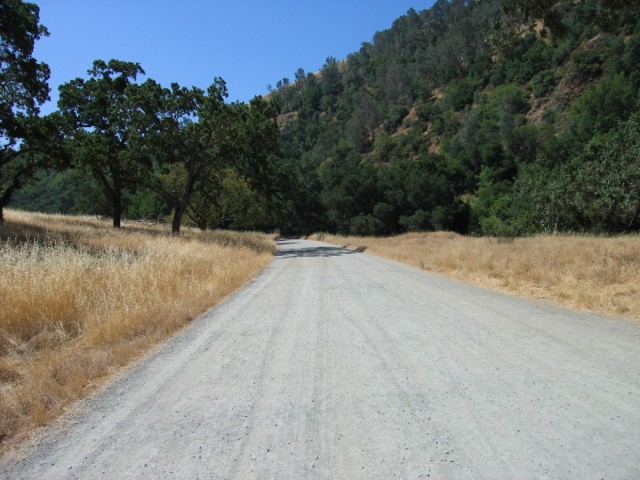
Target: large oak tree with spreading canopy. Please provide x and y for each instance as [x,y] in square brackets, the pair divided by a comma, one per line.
[100,113]
[187,135]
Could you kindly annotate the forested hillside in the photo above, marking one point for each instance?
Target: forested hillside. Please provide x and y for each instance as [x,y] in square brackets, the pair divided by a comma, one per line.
[439,123]
[447,120]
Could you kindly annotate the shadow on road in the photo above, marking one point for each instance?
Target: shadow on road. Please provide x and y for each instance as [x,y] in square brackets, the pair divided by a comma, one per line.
[314,252]
[283,241]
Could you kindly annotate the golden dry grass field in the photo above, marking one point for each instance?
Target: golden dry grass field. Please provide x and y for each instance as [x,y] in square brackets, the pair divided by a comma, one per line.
[598,274]
[80,299]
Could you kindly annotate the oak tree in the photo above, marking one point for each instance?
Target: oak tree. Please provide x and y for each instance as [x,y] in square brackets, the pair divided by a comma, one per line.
[23,88]
[100,112]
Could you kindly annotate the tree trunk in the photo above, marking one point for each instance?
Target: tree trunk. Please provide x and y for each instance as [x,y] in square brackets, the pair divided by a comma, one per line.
[117,209]
[114,193]
[186,198]
[5,198]
[177,219]
[117,198]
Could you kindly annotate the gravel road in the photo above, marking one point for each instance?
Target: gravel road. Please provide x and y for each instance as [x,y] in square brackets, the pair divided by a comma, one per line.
[337,364]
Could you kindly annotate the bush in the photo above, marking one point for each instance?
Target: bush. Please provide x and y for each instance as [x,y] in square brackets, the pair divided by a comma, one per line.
[495,227]
[420,221]
[543,83]
[394,118]
[366,225]
[601,107]
[459,93]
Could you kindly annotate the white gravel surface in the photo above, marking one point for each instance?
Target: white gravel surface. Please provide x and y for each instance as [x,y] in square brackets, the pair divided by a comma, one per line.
[336,364]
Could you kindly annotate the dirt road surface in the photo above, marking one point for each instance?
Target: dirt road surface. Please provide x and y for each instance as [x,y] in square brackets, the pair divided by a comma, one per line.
[336,364]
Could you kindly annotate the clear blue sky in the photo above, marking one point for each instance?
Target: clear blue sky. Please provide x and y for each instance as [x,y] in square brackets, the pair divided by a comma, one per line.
[249,43]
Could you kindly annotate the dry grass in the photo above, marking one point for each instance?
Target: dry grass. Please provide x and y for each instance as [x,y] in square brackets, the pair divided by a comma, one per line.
[586,273]
[80,299]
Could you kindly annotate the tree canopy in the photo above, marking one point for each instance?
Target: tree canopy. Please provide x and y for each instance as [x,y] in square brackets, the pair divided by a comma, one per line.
[23,88]
[100,113]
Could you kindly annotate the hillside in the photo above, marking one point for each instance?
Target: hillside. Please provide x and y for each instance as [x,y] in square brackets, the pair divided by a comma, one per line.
[432,126]
[442,122]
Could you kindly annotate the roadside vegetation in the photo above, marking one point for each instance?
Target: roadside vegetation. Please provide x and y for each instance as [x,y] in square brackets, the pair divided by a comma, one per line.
[81,299]
[598,274]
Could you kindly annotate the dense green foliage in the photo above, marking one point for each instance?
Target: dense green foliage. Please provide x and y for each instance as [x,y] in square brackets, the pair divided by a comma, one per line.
[100,115]
[493,117]
[431,126]
[117,146]
[23,88]
[189,137]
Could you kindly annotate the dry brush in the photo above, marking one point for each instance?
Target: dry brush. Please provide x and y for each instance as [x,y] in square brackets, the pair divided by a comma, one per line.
[80,299]
[599,274]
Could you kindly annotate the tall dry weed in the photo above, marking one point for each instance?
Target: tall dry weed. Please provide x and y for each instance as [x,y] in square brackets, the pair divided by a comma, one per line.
[599,274]
[81,299]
